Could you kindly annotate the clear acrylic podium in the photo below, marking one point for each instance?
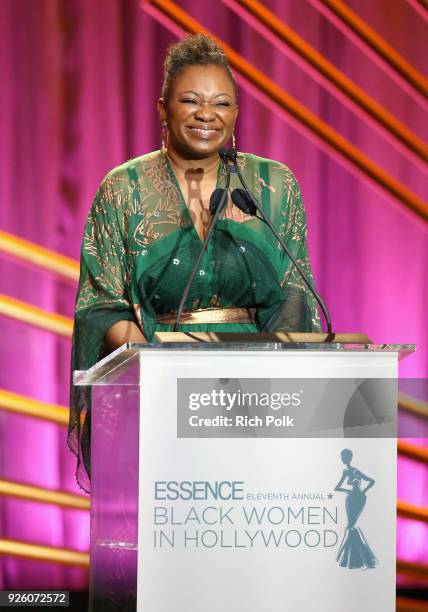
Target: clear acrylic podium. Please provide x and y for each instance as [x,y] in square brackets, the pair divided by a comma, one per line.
[244,476]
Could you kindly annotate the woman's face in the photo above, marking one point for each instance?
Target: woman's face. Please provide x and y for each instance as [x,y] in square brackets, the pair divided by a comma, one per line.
[200,112]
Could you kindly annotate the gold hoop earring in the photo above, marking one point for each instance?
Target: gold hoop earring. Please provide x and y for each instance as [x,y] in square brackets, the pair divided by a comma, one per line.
[164,138]
[233,140]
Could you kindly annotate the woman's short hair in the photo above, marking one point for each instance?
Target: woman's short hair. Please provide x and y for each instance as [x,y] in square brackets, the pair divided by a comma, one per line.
[191,50]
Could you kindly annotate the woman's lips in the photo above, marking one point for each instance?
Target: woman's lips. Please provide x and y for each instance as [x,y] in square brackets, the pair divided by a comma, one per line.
[204,133]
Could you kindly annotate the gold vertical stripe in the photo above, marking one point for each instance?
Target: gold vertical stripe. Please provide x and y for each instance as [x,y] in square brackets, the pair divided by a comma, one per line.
[379,44]
[338,78]
[22,404]
[413,570]
[410,511]
[39,552]
[39,256]
[49,321]
[43,495]
[412,405]
[411,451]
[405,604]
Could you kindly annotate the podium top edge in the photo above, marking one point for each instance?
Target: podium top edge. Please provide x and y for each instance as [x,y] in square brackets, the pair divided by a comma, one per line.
[267,346]
[126,353]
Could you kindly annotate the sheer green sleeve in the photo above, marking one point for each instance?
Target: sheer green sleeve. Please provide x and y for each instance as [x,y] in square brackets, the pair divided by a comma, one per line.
[103,294]
[297,310]
[102,300]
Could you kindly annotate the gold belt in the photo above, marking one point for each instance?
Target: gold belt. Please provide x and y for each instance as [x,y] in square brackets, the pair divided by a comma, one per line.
[211,315]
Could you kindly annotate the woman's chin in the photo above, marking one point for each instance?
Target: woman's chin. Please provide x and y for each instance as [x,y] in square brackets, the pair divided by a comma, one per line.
[202,151]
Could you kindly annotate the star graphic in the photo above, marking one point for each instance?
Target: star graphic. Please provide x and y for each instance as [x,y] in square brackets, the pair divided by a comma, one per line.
[330,496]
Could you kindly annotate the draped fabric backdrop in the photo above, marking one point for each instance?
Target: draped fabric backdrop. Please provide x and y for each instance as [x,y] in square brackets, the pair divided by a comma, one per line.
[79,84]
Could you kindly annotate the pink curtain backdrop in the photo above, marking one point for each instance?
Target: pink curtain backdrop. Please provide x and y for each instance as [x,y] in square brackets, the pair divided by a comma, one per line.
[79,84]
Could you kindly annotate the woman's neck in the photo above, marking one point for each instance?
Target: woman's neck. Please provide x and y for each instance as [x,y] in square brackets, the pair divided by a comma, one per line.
[208,167]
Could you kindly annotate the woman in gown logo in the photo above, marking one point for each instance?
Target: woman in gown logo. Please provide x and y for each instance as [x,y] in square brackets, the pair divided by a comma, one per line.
[354,551]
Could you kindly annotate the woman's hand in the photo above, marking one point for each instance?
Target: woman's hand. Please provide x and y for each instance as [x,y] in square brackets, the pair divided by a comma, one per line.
[122,332]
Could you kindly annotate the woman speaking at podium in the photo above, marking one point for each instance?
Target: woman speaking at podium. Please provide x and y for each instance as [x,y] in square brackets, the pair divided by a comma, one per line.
[150,215]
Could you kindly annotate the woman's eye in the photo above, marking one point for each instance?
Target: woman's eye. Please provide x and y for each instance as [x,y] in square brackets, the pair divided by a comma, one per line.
[189,100]
[223,104]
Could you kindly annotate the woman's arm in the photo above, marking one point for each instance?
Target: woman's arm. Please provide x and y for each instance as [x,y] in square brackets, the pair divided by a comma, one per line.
[122,332]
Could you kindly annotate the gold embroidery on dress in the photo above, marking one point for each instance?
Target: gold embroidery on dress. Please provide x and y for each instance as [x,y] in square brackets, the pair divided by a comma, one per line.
[163,183]
[140,203]
[263,184]
[94,289]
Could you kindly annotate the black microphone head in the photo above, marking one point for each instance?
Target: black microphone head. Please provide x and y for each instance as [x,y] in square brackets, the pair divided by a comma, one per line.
[215,199]
[242,200]
[228,154]
[233,154]
[224,154]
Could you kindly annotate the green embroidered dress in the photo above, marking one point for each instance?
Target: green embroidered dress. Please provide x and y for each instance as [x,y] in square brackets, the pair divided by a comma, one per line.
[139,246]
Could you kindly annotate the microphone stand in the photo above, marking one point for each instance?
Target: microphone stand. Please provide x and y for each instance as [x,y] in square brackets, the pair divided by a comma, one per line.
[284,246]
[214,220]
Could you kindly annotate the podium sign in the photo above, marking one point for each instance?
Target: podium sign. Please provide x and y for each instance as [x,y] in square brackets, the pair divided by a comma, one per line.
[252,477]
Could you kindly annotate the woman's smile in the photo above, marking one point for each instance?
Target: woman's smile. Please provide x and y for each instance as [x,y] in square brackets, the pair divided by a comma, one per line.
[206,133]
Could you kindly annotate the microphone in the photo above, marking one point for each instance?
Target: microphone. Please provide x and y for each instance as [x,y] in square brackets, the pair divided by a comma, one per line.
[215,199]
[244,198]
[218,201]
[243,202]
[228,155]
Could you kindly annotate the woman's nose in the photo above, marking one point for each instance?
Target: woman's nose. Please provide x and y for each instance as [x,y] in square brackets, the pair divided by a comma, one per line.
[205,112]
